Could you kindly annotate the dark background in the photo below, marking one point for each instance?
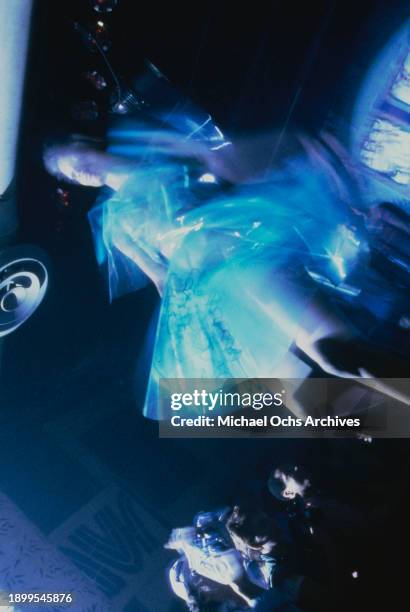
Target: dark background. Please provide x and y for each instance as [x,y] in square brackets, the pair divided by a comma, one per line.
[72,368]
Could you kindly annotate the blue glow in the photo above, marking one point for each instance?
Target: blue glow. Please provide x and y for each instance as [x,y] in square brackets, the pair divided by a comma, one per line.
[344,251]
[387,150]
[221,146]
[401,86]
[339,264]
[380,127]
[199,128]
[239,247]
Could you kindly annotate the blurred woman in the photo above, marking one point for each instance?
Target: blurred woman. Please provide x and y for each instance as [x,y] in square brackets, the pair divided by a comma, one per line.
[232,256]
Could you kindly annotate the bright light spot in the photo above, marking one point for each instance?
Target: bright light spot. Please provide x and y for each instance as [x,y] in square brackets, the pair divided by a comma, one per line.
[355,574]
[207,178]
[221,146]
[387,150]
[339,264]
[219,132]
[120,108]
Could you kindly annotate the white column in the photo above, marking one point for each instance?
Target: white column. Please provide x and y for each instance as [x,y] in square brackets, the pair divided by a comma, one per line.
[14,35]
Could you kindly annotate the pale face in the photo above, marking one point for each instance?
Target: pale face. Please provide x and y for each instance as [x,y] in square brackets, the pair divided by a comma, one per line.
[72,167]
[291,486]
[267,547]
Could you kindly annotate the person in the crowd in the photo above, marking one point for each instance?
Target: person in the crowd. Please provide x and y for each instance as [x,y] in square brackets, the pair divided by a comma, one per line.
[232,557]
[288,482]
